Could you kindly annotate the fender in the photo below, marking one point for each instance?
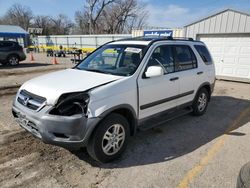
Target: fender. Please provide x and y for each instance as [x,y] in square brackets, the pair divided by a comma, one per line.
[133,121]
[211,86]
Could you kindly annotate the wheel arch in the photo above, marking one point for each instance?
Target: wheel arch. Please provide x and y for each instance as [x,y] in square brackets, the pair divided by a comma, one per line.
[207,86]
[126,111]
[13,54]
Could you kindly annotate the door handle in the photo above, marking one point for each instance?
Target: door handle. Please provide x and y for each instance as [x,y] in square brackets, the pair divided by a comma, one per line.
[174,78]
[201,72]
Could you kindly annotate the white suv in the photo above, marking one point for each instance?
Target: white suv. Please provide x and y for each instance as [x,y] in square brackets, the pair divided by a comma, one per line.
[121,87]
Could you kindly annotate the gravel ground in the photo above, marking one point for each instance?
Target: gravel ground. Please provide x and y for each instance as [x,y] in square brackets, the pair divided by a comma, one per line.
[160,157]
[13,77]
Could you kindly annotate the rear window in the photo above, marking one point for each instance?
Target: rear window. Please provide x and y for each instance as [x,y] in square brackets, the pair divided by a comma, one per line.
[202,50]
[184,58]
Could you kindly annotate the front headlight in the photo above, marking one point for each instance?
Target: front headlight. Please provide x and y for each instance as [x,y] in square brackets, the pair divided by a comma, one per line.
[70,104]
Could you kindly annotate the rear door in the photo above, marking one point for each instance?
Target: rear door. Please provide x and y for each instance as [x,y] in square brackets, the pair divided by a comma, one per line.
[187,72]
[4,49]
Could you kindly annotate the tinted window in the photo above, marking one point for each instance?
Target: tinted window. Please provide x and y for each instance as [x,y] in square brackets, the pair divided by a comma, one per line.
[162,56]
[202,50]
[5,44]
[184,58]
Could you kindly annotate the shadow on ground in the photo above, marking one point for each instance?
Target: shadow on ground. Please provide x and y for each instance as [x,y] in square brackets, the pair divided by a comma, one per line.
[180,136]
[24,65]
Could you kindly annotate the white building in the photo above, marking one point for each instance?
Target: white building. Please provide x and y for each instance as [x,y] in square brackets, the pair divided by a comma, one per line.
[227,35]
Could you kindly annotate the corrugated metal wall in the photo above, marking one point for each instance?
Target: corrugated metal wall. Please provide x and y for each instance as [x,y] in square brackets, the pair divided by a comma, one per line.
[228,21]
[79,41]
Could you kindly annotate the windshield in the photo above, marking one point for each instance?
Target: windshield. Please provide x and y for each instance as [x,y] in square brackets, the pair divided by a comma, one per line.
[120,60]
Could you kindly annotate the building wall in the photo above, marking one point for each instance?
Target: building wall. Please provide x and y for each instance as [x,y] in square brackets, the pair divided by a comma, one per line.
[226,22]
[79,41]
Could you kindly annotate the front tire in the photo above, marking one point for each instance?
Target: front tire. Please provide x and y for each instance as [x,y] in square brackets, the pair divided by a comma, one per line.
[200,102]
[109,140]
[13,60]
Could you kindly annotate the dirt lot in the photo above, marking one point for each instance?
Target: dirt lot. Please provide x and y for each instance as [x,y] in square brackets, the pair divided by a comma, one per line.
[205,151]
[13,77]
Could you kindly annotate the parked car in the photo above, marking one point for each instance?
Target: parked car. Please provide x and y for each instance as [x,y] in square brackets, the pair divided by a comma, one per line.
[121,87]
[11,53]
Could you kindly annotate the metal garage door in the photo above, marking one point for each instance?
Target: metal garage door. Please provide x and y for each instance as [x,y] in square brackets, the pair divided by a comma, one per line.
[231,54]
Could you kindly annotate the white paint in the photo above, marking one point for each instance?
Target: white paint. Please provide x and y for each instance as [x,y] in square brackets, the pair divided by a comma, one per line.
[231,54]
[53,85]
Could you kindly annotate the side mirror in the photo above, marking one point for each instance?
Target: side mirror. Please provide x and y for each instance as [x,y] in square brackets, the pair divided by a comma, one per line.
[154,71]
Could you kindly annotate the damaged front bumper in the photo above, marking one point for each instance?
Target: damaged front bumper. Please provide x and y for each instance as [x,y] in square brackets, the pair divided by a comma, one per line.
[66,131]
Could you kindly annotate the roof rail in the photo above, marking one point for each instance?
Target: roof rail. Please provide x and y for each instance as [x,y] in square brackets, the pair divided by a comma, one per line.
[184,38]
[143,38]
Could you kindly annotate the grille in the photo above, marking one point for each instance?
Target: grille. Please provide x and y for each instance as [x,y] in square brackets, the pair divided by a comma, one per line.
[30,100]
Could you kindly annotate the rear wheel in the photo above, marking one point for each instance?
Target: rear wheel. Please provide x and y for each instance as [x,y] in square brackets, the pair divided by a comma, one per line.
[200,102]
[13,60]
[109,140]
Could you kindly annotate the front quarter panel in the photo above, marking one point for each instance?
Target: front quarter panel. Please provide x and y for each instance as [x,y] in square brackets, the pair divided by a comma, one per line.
[122,92]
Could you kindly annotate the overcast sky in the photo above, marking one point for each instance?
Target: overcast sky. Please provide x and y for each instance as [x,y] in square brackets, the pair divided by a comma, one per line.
[162,13]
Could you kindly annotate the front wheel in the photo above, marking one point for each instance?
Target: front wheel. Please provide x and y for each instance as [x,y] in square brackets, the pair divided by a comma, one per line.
[109,140]
[200,102]
[13,60]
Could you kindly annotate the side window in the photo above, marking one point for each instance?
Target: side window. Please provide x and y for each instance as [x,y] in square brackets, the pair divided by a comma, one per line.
[202,50]
[184,58]
[162,56]
[6,44]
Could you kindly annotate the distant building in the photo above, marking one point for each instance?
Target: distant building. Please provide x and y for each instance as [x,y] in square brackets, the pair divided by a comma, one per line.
[227,35]
[14,33]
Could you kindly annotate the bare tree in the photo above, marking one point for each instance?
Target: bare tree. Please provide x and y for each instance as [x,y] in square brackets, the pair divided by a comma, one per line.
[123,16]
[43,22]
[117,16]
[82,23]
[94,9]
[18,15]
[61,25]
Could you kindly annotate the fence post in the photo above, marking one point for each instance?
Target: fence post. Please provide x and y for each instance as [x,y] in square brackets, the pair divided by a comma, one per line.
[81,41]
[56,40]
[96,41]
[67,42]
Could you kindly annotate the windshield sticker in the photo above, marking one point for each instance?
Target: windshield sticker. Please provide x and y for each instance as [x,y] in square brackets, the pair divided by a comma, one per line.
[133,50]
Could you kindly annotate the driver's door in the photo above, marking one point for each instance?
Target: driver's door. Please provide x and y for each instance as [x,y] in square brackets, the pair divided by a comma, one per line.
[157,94]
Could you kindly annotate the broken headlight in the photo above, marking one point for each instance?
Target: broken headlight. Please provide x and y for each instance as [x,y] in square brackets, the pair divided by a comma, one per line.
[70,104]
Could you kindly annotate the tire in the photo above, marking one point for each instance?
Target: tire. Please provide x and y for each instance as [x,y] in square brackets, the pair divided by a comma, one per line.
[200,102]
[243,180]
[113,128]
[13,60]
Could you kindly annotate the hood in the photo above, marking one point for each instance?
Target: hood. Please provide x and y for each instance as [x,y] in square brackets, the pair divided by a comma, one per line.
[53,85]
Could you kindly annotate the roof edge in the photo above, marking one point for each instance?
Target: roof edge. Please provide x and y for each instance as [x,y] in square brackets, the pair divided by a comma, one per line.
[215,14]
